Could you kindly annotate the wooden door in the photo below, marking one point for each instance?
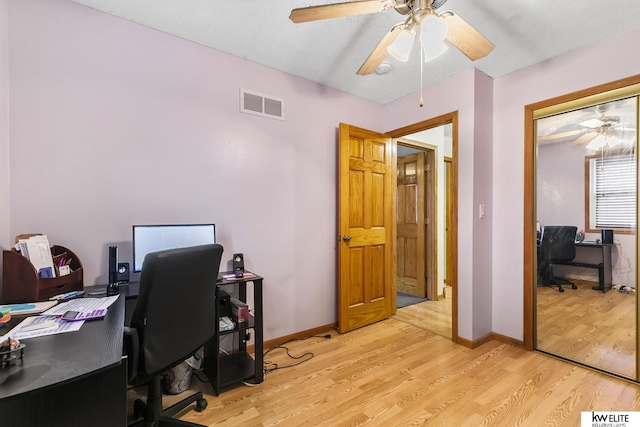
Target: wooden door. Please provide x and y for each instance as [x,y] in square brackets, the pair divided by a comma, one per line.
[366,251]
[448,241]
[410,220]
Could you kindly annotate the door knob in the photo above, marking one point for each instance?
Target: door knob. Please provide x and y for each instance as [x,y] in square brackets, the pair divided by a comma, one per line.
[347,238]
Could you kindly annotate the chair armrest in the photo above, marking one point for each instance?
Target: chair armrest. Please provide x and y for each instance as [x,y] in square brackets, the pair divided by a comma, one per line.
[132,350]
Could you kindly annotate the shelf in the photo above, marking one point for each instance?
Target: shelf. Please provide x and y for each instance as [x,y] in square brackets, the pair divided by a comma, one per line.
[251,324]
[236,367]
[239,365]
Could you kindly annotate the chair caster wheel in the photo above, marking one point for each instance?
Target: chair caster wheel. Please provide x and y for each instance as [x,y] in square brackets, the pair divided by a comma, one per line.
[201,404]
[561,290]
[574,287]
[138,409]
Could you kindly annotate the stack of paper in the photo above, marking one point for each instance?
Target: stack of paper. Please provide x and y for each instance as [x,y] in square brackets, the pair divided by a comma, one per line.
[37,250]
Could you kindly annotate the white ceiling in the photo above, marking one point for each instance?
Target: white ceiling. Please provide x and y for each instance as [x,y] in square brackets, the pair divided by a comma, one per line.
[330,52]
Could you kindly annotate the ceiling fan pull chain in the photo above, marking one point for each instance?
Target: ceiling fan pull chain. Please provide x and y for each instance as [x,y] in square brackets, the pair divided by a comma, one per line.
[421,70]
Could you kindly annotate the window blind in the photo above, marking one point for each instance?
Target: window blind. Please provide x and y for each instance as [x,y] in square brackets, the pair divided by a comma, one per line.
[615,191]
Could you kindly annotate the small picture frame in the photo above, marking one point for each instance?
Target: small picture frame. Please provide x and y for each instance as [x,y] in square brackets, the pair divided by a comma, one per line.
[64,270]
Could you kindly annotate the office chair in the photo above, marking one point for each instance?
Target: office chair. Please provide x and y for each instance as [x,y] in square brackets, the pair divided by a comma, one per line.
[557,246]
[173,317]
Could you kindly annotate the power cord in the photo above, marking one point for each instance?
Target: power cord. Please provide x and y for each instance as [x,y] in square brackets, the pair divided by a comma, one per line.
[269,366]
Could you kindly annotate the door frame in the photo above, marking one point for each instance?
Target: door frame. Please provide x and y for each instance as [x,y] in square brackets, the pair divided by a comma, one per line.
[445,119]
[593,94]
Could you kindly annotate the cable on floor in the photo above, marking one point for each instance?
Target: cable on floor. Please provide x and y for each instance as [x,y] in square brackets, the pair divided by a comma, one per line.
[269,366]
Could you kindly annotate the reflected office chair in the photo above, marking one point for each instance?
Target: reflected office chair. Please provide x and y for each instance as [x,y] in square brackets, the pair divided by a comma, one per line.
[174,316]
[557,246]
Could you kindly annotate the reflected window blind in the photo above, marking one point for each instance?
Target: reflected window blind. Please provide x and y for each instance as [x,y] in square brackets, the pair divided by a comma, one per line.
[615,191]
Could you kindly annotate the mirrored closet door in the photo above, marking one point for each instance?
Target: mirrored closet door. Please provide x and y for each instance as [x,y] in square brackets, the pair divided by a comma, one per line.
[585,299]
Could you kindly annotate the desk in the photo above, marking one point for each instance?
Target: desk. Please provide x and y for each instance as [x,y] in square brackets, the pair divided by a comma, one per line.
[604,266]
[70,379]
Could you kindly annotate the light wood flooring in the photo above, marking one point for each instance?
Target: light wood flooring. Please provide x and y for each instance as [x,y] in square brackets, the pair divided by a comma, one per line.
[433,316]
[588,326]
[395,374]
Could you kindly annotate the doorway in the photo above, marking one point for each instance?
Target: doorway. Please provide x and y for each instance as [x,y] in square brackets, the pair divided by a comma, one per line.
[366,222]
[424,245]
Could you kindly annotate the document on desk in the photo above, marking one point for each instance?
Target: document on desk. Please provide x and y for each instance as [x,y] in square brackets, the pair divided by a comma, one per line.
[81,305]
[40,326]
[49,322]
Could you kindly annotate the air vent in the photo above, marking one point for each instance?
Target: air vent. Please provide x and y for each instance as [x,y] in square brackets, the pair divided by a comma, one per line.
[261,105]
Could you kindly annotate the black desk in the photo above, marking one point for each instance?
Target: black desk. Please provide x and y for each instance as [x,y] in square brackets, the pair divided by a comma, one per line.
[604,266]
[69,379]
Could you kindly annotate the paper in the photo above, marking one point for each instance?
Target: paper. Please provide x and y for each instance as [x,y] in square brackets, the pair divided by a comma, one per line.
[38,251]
[82,305]
[29,307]
[60,327]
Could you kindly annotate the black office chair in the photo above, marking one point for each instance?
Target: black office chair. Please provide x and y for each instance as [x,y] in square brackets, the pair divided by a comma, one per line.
[173,317]
[557,245]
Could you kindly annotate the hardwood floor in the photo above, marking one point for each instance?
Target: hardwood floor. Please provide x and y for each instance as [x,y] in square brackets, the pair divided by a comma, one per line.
[395,374]
[433,316]
[589,327]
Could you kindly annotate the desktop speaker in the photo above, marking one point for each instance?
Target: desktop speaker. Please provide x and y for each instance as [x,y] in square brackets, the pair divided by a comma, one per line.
[607,237]
[238,262]
[224,304]
[122,276]
[113,264]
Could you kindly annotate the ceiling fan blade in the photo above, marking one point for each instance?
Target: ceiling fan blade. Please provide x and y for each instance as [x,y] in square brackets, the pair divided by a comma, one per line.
[466,38]
[336,10]
[380,52]
[585,139]
[560,135]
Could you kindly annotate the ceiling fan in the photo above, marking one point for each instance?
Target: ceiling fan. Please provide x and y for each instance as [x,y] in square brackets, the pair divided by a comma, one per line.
[460,34]
[596,132]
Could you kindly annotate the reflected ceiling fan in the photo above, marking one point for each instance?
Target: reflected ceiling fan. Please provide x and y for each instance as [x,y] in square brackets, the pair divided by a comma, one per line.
[422,18]
[596,132]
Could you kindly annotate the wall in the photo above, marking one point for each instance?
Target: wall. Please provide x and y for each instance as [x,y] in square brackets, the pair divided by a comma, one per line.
[571,72]
[114,124]
[4,129]
[482,195]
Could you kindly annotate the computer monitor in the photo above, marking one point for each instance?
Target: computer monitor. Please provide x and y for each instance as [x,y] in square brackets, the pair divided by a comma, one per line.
[153,238]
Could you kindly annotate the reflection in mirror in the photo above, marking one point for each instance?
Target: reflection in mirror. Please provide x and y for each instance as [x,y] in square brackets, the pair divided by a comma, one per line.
[586,219]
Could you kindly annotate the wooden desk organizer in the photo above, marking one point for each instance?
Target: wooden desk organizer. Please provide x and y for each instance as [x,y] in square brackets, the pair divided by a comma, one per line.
[20,281]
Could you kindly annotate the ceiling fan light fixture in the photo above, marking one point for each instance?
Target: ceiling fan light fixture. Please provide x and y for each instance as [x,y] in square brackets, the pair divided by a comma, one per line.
[612,141]
[433,31]
[597,142]
[401,47]
[433,50]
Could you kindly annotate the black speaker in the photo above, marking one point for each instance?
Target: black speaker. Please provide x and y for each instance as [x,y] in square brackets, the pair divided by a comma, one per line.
[238,262]
[607,237]
[224,304]
[113,264]
[122,275]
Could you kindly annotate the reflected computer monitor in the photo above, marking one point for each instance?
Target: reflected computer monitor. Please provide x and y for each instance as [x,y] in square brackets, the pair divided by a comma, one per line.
[153,238]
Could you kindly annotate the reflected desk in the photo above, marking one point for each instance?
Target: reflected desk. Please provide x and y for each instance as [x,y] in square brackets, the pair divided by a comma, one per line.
[603,265]
[69,379]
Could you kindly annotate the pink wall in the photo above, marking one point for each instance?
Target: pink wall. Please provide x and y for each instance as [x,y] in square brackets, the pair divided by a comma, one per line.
[4,129]
[603,62]
[114,124]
